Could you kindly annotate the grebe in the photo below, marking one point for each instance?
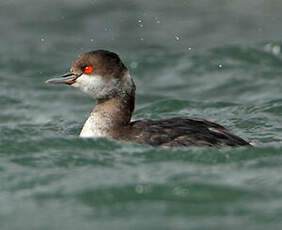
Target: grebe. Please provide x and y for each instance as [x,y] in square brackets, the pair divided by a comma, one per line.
[102,75]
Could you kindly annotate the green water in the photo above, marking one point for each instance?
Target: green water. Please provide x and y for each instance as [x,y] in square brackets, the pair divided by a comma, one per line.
[218,60]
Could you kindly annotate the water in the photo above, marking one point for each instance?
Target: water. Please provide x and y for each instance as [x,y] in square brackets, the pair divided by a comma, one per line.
[218,60]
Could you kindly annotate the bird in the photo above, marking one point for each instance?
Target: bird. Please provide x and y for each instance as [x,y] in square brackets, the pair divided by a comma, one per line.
[102,75]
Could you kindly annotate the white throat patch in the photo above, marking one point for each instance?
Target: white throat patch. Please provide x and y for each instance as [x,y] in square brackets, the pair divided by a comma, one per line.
[96,86]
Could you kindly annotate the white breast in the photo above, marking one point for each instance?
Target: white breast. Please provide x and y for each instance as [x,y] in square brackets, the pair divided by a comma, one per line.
[95,126]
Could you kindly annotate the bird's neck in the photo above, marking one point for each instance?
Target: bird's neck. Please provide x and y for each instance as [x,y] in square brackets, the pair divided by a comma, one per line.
[111,115]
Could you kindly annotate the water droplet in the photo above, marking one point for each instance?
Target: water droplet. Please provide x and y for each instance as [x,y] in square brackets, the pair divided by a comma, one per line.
[133,65]
[177,38]
[220,66]
[139,189]
[42,39]
[139,20]
[142,39]
[273,48]
[189,48]
[157,20]
[92,40]
[276,49]
[141,25]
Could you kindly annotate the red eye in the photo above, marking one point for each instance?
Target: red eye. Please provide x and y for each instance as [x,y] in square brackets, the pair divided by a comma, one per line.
[88,69]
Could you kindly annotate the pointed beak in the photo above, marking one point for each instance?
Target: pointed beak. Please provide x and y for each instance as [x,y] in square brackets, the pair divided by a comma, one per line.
[68,78]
